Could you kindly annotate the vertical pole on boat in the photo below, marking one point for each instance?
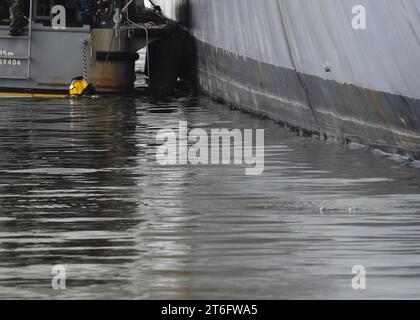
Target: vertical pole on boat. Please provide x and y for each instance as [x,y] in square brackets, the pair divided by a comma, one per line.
[30,39]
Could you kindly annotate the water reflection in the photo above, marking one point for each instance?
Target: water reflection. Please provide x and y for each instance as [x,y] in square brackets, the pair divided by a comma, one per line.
[80,187]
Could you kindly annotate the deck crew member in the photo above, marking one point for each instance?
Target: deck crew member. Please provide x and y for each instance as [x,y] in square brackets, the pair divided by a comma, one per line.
[12,10]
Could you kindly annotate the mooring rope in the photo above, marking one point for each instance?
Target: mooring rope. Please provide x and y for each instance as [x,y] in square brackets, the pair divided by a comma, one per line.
[108,54]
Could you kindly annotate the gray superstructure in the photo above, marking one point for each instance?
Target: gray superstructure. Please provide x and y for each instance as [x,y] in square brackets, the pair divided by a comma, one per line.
[304,62]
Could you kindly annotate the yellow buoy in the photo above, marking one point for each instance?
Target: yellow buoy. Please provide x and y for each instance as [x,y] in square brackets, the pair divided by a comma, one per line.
[80,87]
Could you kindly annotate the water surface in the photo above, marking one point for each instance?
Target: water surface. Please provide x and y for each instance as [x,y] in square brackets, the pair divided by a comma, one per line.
[80,187]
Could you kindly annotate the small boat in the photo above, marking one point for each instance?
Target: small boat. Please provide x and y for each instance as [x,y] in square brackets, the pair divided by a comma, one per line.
[62,45]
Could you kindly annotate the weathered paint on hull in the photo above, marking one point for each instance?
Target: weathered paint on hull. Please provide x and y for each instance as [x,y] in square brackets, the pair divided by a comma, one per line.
[269,57]
[381,120]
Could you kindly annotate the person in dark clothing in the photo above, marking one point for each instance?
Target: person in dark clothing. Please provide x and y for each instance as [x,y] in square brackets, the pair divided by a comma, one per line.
[17,18]
[12,11]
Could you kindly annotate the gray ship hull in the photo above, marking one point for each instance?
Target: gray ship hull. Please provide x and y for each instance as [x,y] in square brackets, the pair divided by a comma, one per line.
[303,63]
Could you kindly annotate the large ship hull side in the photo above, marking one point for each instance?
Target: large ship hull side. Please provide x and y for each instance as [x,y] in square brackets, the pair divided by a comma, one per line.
[301,62]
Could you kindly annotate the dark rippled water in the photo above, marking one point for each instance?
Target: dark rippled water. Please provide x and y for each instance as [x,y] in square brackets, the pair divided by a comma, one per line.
[80,187]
